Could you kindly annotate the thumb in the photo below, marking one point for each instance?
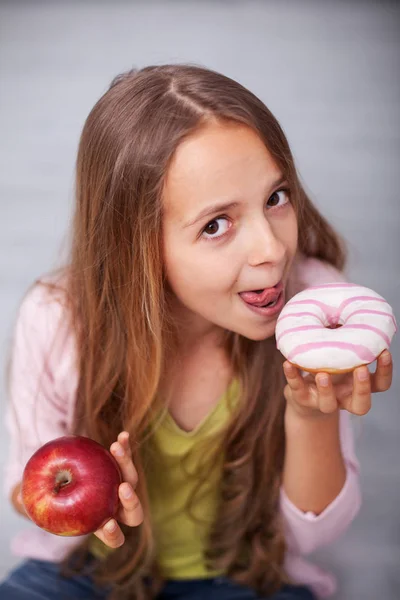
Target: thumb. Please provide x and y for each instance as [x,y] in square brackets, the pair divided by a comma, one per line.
[20,503]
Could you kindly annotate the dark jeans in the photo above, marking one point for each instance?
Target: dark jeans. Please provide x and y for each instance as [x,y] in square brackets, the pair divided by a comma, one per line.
[41,580]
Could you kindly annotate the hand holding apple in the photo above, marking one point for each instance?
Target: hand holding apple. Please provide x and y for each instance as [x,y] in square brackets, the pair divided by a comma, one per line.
[73,486]
[70,486]
[130,510]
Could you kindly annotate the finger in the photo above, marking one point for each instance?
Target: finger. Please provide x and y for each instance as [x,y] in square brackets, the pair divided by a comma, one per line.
[111,534]
[123,439]
[340,378]
[298,389]
[382,378]
[345,389]
[122,454]
[131,511]
[326,393]
[20,503]
[359,403]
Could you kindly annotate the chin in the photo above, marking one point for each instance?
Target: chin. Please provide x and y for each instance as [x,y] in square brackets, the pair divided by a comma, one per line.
[260,338]
[260,333]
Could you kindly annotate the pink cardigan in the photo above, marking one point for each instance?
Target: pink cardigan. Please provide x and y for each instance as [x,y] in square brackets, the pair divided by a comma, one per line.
[35,416]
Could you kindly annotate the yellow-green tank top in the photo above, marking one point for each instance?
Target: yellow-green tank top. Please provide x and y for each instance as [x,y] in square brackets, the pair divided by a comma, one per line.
[171,460]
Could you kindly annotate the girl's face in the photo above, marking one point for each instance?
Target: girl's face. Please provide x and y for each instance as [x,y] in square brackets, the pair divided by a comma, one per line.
[212,253]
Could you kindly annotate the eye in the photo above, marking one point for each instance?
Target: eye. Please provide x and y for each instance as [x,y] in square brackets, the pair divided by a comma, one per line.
[212,227]
[278,198]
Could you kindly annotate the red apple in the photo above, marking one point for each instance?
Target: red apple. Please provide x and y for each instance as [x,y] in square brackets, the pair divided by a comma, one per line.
[70,486]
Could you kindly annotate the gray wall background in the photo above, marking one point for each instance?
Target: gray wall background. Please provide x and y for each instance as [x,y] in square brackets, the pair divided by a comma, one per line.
[328,70]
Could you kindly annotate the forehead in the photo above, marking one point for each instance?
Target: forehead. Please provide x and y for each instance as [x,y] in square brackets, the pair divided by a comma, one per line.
[217,162]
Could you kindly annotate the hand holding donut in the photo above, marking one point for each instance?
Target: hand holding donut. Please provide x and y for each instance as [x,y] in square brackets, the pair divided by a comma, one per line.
[130,511]
[326,393]
[334,331]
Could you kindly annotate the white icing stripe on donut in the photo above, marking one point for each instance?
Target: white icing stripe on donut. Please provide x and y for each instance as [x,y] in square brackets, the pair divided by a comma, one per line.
[333,313]
[345,303]
[337,326]
[361,351]
[364,311]
[299,314]
[361,311]
[354,326]
[360,298]
[295,329]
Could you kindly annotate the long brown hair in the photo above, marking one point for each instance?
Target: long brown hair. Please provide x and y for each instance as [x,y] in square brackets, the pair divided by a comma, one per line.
[119,310]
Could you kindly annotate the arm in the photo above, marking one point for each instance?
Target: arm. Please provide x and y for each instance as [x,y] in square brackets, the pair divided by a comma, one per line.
[38,386]
[307,529]
[314,469]
[42,392]
[310,486]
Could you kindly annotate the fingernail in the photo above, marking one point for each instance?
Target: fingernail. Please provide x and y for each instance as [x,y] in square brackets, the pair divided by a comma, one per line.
[289,370]
[363,375]
[111,526]
[323,380]
[119,451]
[386,358]
[126,492]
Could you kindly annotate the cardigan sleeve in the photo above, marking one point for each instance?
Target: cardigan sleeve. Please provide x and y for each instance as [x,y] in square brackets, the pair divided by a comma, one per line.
[38,393]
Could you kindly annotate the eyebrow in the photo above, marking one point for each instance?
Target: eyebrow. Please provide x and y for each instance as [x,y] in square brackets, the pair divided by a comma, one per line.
[215,208]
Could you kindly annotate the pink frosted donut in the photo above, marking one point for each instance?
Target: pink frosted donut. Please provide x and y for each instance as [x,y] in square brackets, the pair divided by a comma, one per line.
[334,328]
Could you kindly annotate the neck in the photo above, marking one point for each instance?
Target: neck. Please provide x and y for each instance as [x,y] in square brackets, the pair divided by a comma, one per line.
[210,342]
[193,332]
[192,356]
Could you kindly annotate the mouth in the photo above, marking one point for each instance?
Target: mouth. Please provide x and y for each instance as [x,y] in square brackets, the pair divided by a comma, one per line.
[263,298]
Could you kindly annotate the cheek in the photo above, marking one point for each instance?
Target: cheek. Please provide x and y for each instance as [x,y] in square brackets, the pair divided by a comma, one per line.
[204,274]
[294,240]
[194,273]
[289,233]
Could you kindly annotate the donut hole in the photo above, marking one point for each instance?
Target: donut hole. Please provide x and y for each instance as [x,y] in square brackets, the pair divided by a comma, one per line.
[332,321]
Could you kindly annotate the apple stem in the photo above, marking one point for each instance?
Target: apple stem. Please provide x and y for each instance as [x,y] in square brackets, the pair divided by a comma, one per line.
[63,478]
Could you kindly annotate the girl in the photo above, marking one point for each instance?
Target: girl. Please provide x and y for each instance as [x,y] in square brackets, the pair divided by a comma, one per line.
[234,466]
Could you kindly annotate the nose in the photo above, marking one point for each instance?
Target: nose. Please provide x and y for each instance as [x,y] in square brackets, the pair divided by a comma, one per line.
[265,246]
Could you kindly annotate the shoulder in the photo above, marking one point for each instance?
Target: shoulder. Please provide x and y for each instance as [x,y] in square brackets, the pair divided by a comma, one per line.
[43,346]
[309,271]
[43,310]
[46,294]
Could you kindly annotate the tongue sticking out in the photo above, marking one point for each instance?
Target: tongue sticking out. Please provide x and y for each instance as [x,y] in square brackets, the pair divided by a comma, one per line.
[267,296]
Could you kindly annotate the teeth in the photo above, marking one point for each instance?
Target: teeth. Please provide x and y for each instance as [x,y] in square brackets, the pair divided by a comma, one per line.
[271,304]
